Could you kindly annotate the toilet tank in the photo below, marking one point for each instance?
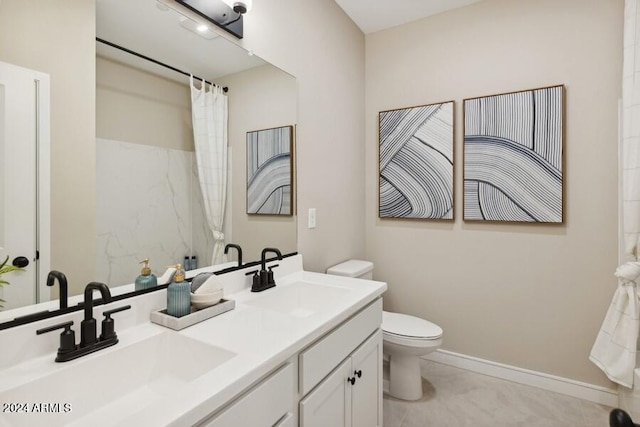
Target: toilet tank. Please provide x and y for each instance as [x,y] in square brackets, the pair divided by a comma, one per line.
[353,268]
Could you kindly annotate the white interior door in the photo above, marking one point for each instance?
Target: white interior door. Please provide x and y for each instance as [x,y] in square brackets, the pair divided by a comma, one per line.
[24,117]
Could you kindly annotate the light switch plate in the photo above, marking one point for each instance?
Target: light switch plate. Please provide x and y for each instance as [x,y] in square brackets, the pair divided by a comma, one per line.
[312,217]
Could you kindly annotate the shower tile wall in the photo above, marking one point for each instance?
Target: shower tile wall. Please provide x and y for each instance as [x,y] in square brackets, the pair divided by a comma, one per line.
[148,205]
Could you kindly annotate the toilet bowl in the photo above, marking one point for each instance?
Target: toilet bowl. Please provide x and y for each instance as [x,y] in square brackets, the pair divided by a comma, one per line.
[405,339]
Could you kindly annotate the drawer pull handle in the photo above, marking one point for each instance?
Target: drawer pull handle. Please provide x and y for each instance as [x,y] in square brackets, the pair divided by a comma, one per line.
[351,380]
[358,373]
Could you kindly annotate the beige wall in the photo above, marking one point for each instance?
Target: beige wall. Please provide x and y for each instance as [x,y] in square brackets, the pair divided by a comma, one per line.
[260,98]
[142,108]
[317,43]
[532,296]
[58,38]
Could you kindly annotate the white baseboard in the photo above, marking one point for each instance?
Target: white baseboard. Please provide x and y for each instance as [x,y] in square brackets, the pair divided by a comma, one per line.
[585,391]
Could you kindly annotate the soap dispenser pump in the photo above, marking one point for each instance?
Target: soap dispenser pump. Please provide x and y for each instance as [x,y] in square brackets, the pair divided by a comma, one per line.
[146,279]
[179,295]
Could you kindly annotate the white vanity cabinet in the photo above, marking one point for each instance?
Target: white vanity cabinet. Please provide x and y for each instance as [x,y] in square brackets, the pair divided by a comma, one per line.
[339,380]
[341,375]
[350,395]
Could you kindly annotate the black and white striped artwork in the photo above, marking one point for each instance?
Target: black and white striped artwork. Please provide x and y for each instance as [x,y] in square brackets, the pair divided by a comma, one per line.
[513,154]
[269,171]
[416,162]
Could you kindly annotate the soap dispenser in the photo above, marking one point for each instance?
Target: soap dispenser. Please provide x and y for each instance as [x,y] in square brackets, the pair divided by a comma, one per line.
[179,295]
[146,279]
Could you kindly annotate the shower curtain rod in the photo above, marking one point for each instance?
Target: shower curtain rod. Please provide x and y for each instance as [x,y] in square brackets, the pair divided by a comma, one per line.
[139,55]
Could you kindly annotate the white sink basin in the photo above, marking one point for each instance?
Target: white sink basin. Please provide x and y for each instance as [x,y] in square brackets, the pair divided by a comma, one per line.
[117,384]
[300,299]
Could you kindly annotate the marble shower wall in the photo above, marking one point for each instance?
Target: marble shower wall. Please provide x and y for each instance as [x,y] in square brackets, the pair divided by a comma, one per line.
[148,205]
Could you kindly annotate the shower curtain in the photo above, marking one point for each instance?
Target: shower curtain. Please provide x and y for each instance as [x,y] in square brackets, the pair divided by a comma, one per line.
[615,349]
[210,116]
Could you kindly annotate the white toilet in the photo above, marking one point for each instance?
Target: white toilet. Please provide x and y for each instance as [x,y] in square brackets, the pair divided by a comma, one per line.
[405,339]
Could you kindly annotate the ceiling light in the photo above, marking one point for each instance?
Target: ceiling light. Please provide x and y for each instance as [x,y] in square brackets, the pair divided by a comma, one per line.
[195,27]
[218,12]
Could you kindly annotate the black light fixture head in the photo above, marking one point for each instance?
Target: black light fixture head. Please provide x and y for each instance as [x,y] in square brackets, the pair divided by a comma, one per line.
[240,7]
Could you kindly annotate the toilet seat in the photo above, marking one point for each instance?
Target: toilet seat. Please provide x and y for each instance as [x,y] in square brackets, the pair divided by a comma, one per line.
[404,327]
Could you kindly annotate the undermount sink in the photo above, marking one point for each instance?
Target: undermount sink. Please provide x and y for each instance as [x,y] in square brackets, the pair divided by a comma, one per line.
[300,299]
[117,384]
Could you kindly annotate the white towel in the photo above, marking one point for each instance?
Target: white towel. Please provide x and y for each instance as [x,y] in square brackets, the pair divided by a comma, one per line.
[615,348]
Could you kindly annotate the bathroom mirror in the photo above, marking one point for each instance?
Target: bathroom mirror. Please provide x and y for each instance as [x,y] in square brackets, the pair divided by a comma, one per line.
[143,124]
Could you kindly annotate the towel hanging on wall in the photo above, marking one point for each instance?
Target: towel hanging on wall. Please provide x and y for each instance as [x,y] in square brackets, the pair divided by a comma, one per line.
[615,348]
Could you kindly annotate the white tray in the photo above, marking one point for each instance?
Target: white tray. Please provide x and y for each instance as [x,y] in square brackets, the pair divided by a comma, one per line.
[177,323]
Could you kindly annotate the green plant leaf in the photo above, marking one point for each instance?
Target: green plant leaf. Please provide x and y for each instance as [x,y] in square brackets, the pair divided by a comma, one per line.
[6,268]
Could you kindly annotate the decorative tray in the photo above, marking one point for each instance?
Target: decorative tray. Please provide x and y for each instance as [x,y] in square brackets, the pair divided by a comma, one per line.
[177,323]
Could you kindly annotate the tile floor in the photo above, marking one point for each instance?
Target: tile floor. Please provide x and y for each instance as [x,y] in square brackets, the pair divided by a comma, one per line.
[459,398]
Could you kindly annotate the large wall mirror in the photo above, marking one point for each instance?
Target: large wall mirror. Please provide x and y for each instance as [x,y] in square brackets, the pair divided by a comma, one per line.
[124,182]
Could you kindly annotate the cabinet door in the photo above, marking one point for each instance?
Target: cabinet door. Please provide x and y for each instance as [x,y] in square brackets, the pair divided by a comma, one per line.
[330,403]
[366,400]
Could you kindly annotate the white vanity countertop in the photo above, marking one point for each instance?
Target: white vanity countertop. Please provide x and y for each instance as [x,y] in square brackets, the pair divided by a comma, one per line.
[261,338]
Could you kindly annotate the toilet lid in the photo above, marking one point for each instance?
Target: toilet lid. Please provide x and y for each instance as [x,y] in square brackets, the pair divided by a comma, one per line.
[409,326]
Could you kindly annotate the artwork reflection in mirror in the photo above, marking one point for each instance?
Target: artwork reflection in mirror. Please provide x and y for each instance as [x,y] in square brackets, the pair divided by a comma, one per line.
[270,171]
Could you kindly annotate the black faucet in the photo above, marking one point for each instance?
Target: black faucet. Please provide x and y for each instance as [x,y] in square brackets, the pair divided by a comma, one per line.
[238,248]
[89,342]
[264,279]
[62,282]
[88,325]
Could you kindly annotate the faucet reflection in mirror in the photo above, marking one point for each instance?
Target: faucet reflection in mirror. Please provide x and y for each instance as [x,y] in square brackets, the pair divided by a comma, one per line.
[237,248]
[62,282]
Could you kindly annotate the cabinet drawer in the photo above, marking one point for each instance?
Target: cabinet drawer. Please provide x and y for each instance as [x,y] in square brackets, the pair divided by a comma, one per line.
[264,405]
[321,358]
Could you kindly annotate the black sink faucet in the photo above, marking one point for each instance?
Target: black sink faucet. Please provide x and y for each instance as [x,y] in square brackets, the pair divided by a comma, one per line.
[263,258]
[88,334]
[266,280]
[89,342]
[236,247]
[62,282]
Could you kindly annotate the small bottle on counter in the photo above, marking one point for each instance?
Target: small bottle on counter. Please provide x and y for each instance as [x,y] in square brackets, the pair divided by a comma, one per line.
[187,263]
[179,295]
[194,262]
[146,279]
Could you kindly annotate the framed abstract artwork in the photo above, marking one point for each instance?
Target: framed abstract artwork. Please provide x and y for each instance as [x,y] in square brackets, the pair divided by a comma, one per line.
[416,162]
[514,157]
[270,171]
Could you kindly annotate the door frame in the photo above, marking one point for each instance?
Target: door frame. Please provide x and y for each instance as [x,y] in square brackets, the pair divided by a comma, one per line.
[43,180]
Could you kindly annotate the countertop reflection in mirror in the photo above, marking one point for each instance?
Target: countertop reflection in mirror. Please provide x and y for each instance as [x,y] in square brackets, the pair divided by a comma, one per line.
[46,310]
